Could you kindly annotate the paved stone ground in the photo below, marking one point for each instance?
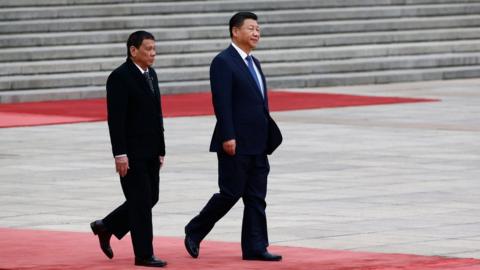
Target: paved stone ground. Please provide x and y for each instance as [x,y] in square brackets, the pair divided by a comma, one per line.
[398,178]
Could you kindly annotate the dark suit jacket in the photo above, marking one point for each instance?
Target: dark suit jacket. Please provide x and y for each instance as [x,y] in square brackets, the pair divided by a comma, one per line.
[135,118]
[241,111]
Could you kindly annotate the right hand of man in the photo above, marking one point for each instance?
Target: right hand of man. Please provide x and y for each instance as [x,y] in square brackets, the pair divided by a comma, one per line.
[121,165]
[229,147]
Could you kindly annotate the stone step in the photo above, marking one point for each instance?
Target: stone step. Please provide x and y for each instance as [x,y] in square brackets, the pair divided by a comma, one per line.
[274,29]
[67,48]
[52,94]
[49,3]
[267,56]
[272,70]
[338,79]
[204,19]
[375,77]
[41,3]
[215,45]
[147,8]
[304,81]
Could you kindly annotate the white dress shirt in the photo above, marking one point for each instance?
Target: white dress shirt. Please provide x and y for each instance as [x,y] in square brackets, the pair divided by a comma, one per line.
[244,55]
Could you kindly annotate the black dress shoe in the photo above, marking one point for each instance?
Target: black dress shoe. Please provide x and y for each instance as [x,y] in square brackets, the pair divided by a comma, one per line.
[98,228]
[150,262]
[193,248]
[265,256]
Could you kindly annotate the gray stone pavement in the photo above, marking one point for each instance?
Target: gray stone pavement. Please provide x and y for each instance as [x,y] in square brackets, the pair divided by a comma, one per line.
[400,178]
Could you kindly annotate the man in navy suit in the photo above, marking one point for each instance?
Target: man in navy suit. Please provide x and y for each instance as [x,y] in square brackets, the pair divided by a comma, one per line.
[135,123]
[244,134]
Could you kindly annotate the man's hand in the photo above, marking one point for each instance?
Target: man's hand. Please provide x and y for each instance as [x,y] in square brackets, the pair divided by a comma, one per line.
[162,160]
[229,147]
[121,165]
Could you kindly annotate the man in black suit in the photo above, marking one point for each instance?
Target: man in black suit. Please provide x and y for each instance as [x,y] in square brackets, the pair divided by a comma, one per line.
[244,134]
[135,123]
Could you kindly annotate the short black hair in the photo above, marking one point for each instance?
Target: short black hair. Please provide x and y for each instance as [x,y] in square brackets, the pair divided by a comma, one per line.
[238,19]
[136,38]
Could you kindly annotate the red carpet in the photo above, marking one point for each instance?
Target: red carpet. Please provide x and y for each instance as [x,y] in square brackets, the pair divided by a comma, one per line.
[51,250]
[87,110]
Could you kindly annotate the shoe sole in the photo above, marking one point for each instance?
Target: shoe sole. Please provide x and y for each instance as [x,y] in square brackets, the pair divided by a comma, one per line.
[160,265]
[260,259]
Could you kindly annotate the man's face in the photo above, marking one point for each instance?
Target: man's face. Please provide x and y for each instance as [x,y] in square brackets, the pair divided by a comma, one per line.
[247,35]
[144,56]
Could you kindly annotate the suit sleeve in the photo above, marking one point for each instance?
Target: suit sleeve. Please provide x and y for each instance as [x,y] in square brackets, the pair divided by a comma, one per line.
[221,87]
[162,137]
[117,102]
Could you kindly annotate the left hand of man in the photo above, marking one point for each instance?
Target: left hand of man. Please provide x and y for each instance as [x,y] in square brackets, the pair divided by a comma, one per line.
[161,159]
[229,147]
[121,165]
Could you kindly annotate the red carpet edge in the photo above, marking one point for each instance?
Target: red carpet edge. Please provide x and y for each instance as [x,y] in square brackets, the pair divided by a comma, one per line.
[176,105]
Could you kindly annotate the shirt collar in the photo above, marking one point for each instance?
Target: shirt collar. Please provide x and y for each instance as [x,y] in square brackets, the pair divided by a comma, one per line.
[240,51]
[139,68]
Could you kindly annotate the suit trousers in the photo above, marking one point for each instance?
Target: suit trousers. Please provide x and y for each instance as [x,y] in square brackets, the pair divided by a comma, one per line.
[141,188]
[239,176]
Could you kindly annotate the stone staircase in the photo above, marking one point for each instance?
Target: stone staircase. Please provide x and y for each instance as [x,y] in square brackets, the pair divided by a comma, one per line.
[63,49]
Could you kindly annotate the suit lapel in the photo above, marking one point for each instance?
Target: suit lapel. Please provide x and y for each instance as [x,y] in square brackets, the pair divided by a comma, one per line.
[241,64]
[142,82]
